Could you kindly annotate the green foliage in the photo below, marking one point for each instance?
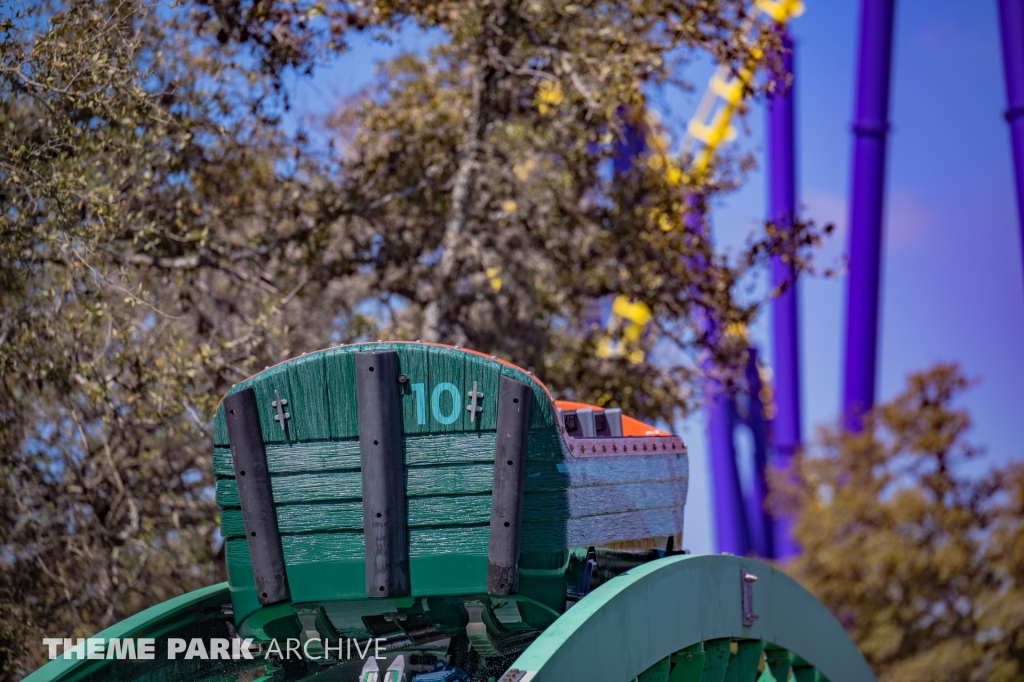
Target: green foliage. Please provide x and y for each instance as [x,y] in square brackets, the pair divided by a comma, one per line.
[165,235]
[920,561]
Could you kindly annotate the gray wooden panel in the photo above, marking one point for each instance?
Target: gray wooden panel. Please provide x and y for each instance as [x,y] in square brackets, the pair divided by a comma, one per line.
[626,469]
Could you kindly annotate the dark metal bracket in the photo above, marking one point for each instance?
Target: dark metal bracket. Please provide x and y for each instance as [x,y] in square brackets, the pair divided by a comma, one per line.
[513,425]
[252,476]
[383,472]
[747,580]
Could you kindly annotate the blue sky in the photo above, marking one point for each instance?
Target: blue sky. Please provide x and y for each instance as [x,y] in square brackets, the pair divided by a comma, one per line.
[952,287]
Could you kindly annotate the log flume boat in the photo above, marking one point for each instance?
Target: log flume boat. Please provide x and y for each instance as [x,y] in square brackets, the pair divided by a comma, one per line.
[413,512]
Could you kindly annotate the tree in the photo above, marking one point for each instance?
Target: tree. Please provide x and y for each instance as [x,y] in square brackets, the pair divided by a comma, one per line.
[165,234]
[145,214]
[920,560]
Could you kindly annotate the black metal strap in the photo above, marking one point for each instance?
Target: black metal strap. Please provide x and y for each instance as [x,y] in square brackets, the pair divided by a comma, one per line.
[380,450]
[256,497]
[513,425]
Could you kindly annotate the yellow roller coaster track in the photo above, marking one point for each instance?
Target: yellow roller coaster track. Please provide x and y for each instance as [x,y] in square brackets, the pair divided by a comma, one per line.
[709,127]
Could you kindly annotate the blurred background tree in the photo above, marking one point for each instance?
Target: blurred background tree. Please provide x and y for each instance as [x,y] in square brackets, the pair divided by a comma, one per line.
[167,232]
[921,562]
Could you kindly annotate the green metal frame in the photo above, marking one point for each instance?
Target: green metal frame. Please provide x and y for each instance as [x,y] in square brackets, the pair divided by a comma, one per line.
[691,607]
[171,615]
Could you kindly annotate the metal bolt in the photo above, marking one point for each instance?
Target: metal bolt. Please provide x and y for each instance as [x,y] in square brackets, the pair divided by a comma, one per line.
[402,378]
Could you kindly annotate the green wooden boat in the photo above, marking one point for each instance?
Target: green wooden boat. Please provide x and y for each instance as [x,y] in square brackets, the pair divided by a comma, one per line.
[437,504]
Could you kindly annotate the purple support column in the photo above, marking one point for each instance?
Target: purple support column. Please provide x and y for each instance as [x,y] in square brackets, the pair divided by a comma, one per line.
[871,129]
[1011,19]
[758,521]
[785,311]
[730,516]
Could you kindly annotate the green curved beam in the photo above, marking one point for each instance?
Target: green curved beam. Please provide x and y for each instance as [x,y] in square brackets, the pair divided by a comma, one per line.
[639,618]
[153,622]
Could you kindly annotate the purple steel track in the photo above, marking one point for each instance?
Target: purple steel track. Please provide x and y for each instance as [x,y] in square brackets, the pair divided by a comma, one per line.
[870,129]
[1011,19]
[785,309]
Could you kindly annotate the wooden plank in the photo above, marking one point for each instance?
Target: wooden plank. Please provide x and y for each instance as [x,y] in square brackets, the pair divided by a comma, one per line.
[309,406]
[340,370]
[617,470]
[420,450]
[296,458]
[608,528]
[423,481]
[445,399]
[303,518]
[484,374]
[537,536]
[415,396]
[327,547]
[220,430]
[592,501]
[546,444]
[442,480]
[580,503]
[424,512]
[264,385]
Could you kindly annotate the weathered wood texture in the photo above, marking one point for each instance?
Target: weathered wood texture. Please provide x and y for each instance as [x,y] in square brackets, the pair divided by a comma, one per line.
[321,393]
[316,475]
[551,536]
